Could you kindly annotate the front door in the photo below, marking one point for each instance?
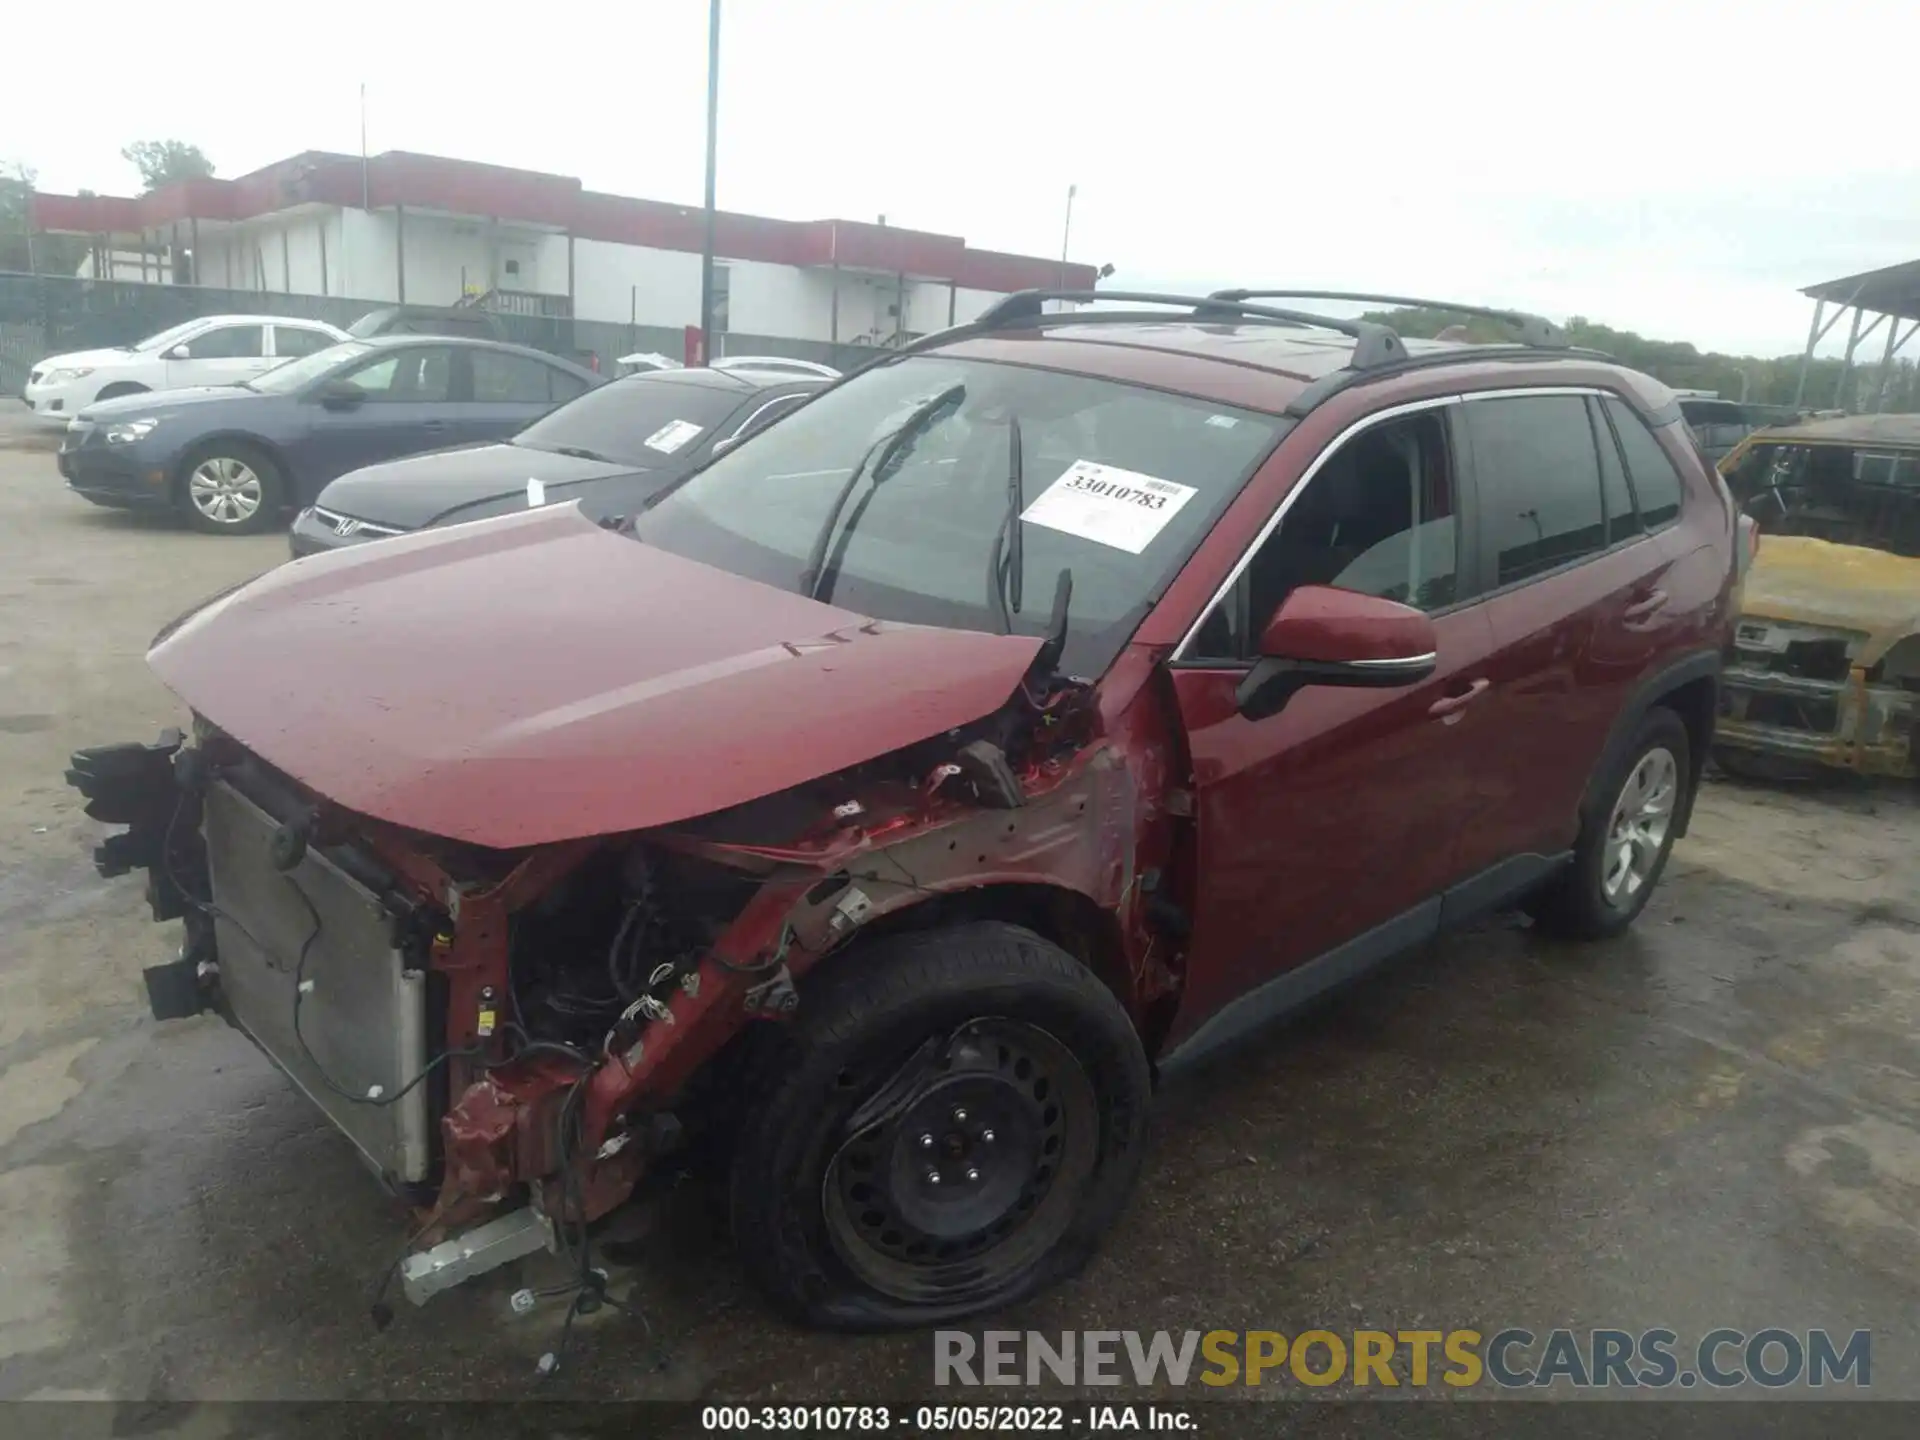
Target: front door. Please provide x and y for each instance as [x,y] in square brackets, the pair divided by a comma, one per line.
[407,404]
[1327,832]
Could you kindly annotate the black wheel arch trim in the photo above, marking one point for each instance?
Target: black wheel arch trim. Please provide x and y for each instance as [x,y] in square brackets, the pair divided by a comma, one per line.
[1697,665]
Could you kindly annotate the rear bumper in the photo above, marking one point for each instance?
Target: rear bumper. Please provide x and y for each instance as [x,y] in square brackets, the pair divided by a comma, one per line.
[1847,724]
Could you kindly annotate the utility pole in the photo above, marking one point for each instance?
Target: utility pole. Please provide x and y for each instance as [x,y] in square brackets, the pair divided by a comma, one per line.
[1066,234]
[713,141]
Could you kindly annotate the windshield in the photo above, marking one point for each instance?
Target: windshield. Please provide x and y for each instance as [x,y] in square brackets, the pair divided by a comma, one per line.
[1833,492]
[1118,485]
[167,336]
[640,420]
[284,379]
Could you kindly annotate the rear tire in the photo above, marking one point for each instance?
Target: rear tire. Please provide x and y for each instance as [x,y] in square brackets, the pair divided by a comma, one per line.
[960,1115]
[229,487]
[1625,839]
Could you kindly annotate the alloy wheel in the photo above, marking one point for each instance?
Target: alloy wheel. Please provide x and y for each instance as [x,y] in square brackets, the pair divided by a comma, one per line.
[1637,829]
[224,490]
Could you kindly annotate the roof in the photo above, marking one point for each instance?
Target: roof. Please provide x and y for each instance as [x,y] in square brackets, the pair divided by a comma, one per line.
[1892,291]
[743,380]
[470,342]
[558,203]
[1893,430]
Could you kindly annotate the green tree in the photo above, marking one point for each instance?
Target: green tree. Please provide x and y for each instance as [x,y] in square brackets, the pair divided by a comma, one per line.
[49,254]
[1760,380]
[164,162]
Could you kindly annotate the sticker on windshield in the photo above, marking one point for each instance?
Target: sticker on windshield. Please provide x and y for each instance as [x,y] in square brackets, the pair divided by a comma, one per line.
[672,436]
[536,494]
[1109,506]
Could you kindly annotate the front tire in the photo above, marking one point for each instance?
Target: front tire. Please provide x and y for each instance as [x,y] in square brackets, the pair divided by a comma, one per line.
[1626,839]
[959,1116]
[230,488]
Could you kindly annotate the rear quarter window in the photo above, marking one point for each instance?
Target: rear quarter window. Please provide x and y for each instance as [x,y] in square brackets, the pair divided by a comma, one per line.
[1655,482]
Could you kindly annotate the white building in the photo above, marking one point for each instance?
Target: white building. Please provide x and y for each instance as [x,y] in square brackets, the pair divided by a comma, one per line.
[429,230]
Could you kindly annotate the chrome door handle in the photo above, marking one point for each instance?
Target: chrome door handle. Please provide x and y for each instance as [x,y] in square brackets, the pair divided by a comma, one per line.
[1453,704]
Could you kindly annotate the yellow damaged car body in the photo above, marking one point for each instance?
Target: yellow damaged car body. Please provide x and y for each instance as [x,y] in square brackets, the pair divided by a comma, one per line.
[1827,649]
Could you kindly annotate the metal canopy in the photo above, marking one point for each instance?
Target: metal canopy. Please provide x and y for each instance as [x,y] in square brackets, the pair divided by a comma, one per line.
[1889,296]
[1892,291]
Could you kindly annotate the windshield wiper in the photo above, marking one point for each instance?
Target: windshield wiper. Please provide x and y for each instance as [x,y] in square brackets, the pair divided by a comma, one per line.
[816,581]
[1006,567]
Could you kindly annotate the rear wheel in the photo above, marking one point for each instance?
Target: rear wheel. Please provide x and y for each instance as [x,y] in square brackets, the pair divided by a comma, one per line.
[230,488]
[1625,839]
[960,1117]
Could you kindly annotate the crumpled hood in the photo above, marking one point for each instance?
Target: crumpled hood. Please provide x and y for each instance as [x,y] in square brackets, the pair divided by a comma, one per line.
[536,678]
[1847,587]
[420,489]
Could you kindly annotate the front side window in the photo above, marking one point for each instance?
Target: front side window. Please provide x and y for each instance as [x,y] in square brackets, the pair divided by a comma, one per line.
[1655,480]
[298,374]
[417,375]
[228,342]
[1380,517]
[1539,483]
[901,481]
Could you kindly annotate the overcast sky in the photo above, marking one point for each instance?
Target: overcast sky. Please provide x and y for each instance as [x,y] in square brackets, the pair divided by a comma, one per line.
[1679,168]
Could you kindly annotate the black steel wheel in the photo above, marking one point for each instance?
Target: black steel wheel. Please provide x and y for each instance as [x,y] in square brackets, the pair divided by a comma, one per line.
[961,1116]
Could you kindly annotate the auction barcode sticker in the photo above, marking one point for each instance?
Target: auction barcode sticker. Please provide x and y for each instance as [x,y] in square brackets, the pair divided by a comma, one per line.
[1108,505]
[672,435]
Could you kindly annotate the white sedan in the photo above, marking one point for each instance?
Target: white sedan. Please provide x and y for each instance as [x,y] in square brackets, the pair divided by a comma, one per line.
[213,350]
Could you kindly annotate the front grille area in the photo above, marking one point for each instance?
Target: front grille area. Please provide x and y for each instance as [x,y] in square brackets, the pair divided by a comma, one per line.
[346,526]
[1789,712]
[363,1023]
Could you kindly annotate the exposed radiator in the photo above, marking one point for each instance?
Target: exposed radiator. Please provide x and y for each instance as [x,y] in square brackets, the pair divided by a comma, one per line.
[364,1020]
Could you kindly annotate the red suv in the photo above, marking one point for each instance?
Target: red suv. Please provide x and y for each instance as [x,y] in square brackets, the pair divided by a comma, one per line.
[1053,700]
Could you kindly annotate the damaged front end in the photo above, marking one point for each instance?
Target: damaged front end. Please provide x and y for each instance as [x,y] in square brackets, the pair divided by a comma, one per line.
[508,1037]
[1826,663]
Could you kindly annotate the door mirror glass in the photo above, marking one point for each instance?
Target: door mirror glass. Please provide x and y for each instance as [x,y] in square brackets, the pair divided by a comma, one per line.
[1321,635]
[341,395]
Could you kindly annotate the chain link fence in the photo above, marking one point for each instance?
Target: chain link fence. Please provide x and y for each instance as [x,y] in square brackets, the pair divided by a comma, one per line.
[42,315]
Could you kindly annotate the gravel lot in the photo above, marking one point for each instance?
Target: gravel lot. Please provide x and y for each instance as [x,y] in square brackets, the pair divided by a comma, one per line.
[1709,1122]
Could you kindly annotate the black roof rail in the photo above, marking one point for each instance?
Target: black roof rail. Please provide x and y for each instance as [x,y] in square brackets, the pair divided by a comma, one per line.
[1374,345]
[1535,330]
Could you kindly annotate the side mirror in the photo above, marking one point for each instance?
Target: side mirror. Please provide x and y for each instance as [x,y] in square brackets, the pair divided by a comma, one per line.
[720,447]
[341,395]
[178,352]
[1321,635]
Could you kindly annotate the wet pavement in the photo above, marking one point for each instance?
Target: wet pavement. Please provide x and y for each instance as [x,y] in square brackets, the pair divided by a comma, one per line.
[1714,1121]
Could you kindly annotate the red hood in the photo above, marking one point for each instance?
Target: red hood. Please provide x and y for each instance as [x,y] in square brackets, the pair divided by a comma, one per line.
[536,678]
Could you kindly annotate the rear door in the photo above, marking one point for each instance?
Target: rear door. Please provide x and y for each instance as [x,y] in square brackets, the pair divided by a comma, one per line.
[1576,602]
[224,355]
[1328,832]
[510,391]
